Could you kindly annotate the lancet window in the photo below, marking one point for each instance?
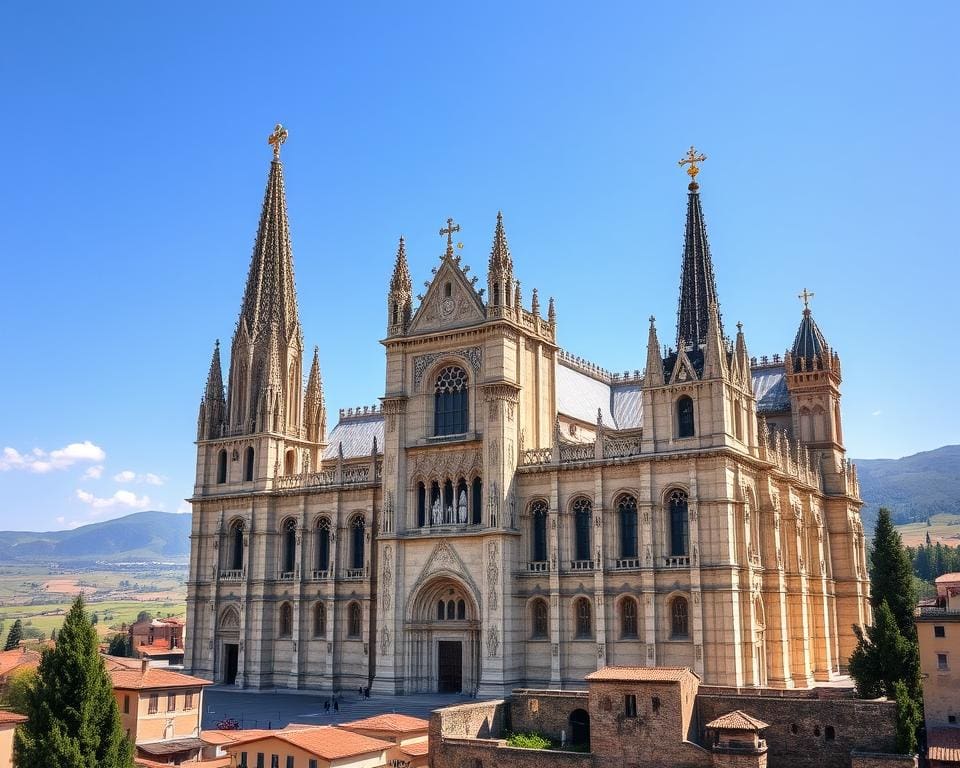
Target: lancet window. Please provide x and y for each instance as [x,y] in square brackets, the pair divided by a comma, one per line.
[323,544]
[582,518]
[289,539]
[627,512]
[357,541]
[451,402]
[539,531]
[686,426]
[679,525]
[236,545]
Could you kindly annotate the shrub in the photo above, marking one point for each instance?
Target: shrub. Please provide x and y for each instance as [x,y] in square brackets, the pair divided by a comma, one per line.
[528,741]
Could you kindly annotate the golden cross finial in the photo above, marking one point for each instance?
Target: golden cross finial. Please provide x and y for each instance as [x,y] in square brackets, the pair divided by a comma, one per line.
[805,298]
[691,159]
[448,231]
[276,140]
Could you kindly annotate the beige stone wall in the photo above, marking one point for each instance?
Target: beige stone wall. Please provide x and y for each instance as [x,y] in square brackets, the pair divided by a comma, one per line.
[6,744]
[940,686]
[164,724]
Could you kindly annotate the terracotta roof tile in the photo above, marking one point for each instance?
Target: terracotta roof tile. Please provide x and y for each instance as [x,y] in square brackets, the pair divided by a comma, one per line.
[640,674]
[390,722]
[416,749]
[738,720]
[325,741]
[158,650]
[944,744]
[137,679]
[11,717]
[18,657]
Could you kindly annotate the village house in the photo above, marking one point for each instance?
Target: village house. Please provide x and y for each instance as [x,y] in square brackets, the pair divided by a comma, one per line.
[8,724]
[160,640]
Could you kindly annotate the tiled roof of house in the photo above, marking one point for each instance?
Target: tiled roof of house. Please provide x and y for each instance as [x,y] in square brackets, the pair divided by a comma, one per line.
[738,720]
[18,657]
[640,674]
[11,717]
[325,741]
[153,677]
[158,649]
[943,744]
[416,749]
[392,722]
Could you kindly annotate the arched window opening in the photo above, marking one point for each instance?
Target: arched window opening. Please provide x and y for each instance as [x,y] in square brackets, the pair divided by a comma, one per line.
[290,462]
[319,620]
[286,620]
[436,504]
[685,421]
[461,610]
[539,510]
[628,617]
[323,544]
[248,464]
[679,524]
[421,505]
[540,619]
[221,467]
[496,294]
[441,610]
[580,728]
[738,420]
[236,545]
[450,404]
[679,624]
[357,534]
[463,502]
[354,620]
[477,506]
[582,516]
[583,617]
[830,733]
[447,290]
[819,424]
[451,610]
[806,425]
[627,510]
[289,562]
[449,503]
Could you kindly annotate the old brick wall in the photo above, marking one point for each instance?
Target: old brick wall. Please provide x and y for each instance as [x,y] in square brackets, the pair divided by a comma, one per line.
[546,712]
[882,760]
[867,726]
[490,753]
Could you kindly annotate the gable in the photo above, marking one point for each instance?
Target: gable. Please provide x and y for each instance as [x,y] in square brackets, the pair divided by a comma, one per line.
[439,311]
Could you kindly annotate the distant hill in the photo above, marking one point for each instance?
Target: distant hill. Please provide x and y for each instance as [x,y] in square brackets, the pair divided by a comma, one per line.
[912,488]
[153,536]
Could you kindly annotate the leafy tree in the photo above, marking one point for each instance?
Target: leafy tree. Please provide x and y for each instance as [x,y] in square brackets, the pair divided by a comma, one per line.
[15,636]
[73,720]
[94,619]
[18,688]
[144,616]
[53,634]
[119,646]
[909,719]
[884,657]
[891,575]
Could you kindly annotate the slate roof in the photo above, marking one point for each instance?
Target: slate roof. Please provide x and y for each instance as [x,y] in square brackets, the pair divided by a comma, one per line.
[640,674]
[579,396]
[698,288]
[738,720]
[627,406]
[770,389]
[356,433]
[809,342]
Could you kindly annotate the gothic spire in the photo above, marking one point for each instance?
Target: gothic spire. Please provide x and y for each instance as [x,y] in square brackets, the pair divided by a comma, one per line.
[499,269]
[214,390]
[314,403]
[809,346]
[213,405]
[698,288]
[401,271]
[270,295]
[400,297]
[653,376]
[500,258]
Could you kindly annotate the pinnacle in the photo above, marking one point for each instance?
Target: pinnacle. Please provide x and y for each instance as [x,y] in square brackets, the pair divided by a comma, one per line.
[401,271]
[698,288]
[500,259]
[214,389]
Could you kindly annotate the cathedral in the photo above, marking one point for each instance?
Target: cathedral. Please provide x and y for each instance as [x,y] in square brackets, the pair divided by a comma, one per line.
[511,515]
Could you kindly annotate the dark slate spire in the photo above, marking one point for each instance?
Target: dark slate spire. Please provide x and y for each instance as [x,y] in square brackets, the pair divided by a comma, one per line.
[809,345]
[698,288]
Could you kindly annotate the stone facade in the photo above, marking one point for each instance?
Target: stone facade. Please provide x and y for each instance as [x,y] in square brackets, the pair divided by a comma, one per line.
[510,514]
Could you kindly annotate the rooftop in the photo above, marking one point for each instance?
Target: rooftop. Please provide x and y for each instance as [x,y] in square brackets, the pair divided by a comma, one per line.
[944,744]
[640,674]
[392,722]
[738,720]
[11,717]
[325,741]
[126,678]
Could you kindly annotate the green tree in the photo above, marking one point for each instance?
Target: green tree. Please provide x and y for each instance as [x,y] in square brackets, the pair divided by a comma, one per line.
[884,657]
[18,688]
[119,646]
[94,619]
[15,636]
[891,575]
[909,719]
[73,720]
[144,616]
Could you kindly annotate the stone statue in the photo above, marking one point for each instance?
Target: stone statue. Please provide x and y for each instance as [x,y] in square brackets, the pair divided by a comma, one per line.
[435,514]
[449,517]
[462,507]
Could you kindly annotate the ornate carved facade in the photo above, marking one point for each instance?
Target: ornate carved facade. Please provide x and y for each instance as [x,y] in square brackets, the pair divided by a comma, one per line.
[510,515]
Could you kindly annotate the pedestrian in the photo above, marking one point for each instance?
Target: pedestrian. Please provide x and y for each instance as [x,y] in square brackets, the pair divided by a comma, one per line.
[336,706]
[326,705]
[366,692]
[360,692]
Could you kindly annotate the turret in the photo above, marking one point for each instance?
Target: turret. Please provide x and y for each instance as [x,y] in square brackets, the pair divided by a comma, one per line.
[499,272]
[213,405]
[400,296]
[315,408]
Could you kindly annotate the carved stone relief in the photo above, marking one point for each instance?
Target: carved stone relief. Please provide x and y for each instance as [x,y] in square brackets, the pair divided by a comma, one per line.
[472,355]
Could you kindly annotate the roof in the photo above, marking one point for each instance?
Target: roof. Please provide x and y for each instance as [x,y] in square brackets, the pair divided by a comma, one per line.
[158,649]
[11,717]
[392,722]
[416,749]
[641,674]
[947,578]
[809,343]
[770,389]
[153,677]
[627,406]
[325,741]
[944,744]
[356,434]
[738,720]
[698,288]
[170,747]
[580,396]
[18,657]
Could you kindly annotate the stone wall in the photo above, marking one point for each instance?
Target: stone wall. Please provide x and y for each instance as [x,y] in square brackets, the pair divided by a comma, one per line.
[493,753]
[882,760]
[798,735]
[546,712]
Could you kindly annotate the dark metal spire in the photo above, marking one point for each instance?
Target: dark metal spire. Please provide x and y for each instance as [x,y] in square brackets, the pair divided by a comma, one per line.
[809,345]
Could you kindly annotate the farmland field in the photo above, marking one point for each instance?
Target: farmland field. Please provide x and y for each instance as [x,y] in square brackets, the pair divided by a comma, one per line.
[944,528]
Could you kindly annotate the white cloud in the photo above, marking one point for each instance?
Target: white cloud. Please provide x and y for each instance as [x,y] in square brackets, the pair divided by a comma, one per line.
[41,462]
[184,508]
[129,476]
[876,413]
[94,473]
[119,499]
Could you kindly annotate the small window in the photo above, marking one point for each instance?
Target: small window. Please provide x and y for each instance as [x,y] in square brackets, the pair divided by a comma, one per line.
[221,467]
[248,465]
[628,617]
[154,706]
[290,761]
[188,700]
[540,616]
[939,631]
[313,763]
[355,620]
[126,705]
[286,620]
[685,422]
[274,761]
[582,521]
[171,702]
[942,665]
[243,760]
[584,622]
[630,705]
[461,610]
[794,729]
[829,733]
[539,539]
[679,624]
[951,719]
[259,759]
[447,290]
[655,704]
[319,620]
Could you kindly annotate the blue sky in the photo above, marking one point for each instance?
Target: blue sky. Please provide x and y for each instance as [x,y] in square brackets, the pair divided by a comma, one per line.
[135,158]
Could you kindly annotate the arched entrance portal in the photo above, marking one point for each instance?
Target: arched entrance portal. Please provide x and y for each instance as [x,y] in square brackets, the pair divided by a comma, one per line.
[580,728]
[443,638]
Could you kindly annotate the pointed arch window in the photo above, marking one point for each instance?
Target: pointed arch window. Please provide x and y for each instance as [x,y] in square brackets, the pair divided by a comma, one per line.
[679,525]
[679,621]
[421,505]
[539,538]
[461,610]
[540,619]
[628,617]
[477,506]
[236,545]
[319,620]
[441,610]
[286,620]
[290,462]
[323,544]
[450,403]
[584,618]
[354,620]
[222,466]
[627,512]
[685,421]
[248,464]
[289,545]
[358,540]
[582,518]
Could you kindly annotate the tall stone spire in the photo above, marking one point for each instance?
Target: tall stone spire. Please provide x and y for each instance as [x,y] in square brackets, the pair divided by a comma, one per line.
[653,376]
[400,297]
[213,405]
[315,416]
[499,269]
[698,288]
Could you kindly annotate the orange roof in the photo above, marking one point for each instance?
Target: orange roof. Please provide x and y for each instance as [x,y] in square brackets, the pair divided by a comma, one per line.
[216,762]
[11,717]
[137,679]
[389,722]
[18,657]
[325,741]
[947,578]
[738,720]
[416,749]
[158,649]
[944,744]
[641,674]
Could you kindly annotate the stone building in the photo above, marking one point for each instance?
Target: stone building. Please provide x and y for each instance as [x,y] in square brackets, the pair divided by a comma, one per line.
[510,514]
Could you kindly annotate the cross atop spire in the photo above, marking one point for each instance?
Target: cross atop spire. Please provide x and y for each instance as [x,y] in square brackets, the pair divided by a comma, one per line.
[805,298]
[691,159]
[448,231]
[277,139]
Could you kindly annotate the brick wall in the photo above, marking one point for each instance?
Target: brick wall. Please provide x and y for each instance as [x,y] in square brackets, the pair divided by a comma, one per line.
[491,753]
[546,712]
[882,760]
[866,726]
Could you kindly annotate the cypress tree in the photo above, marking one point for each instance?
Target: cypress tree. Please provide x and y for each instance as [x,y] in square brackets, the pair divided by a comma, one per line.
[909,719]
[891,575]
[884,657]
[73,717]
[15,636]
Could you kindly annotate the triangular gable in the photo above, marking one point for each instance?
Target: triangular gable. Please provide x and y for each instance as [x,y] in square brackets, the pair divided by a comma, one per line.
[683,369]
[443,560]
[438,311]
